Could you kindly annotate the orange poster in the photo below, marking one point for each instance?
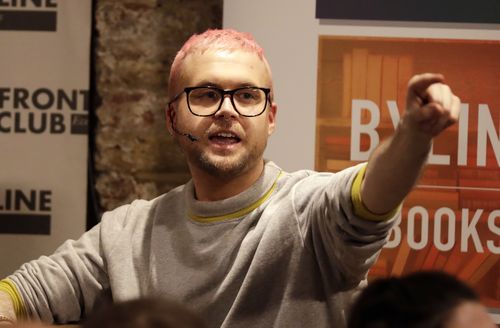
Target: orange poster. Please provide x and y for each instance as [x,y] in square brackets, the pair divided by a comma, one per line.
[451,221]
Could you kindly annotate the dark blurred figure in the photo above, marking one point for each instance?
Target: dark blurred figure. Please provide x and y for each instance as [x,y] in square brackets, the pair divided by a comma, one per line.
[144,313]
[419,300]
[28,324]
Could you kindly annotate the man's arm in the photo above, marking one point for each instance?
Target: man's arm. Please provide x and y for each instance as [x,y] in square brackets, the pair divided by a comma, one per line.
[6,309]
[57,288]
[396,164]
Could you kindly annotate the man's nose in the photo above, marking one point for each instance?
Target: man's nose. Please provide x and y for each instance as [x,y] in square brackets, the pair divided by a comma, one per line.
[227,109]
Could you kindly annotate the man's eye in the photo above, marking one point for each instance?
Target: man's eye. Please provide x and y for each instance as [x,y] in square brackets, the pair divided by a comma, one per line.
[207,95]
[210,94]
[248,95]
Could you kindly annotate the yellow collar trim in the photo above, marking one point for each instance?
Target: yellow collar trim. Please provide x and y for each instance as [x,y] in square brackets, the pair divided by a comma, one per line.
[239,213]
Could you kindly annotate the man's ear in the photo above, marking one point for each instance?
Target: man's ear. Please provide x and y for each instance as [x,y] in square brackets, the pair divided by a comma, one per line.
[169,118]
[271,117]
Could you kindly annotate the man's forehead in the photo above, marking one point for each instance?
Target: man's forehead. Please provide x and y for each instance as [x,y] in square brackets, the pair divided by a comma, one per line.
[223,56]
[218,65]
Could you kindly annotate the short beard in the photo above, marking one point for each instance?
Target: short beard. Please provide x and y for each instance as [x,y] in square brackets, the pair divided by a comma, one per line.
[226,168]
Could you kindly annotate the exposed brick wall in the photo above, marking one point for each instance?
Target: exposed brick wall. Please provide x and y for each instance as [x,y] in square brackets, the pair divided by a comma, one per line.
[137,40]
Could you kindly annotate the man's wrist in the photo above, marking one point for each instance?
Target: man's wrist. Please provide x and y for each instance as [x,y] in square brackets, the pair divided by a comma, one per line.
[412,141]
[412,131]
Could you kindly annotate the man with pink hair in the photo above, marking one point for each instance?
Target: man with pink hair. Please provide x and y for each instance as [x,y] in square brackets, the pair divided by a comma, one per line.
[243,243]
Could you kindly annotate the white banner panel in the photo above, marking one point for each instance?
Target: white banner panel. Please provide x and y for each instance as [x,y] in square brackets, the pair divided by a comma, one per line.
[44,81]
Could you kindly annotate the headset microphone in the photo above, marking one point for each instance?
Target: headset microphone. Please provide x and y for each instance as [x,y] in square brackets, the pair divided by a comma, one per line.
[187,135]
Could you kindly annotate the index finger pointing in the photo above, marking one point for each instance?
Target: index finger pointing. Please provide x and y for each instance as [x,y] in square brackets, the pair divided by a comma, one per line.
[419,83]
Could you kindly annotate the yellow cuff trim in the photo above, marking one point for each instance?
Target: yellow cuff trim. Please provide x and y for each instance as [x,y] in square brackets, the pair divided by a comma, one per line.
[10,288]
[240,213]
[360,208]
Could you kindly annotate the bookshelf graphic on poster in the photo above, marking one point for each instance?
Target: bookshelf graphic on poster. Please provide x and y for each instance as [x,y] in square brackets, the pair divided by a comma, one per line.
[451,220]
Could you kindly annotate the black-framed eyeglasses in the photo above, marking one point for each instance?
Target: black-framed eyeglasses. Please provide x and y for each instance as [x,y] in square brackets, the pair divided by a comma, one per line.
[207,100]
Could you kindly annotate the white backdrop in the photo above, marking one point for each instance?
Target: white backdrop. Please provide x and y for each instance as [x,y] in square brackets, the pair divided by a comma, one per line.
[44,81]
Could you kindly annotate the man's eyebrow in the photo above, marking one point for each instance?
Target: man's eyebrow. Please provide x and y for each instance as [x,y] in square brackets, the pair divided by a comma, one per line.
[208,83]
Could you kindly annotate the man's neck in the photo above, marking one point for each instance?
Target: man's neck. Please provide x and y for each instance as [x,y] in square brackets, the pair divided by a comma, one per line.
[213,188]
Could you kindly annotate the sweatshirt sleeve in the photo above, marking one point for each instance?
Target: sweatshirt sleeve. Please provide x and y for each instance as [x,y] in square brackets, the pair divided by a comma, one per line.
[344,243]
[64,286]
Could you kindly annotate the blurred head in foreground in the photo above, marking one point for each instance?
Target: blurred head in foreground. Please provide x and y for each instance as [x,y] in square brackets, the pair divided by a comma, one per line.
[419,300]
[144,313]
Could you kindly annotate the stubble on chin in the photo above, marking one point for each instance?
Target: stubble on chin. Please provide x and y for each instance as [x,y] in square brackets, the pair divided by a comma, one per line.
[226,167]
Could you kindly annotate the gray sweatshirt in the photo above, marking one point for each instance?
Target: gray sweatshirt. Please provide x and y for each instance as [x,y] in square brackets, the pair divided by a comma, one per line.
[287,252]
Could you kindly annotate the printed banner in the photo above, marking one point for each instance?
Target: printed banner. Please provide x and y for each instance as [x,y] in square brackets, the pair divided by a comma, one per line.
[44,101]
[461,11]
[451,221]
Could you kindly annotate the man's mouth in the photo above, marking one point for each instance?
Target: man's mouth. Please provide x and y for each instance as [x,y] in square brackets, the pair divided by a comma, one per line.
[225,138]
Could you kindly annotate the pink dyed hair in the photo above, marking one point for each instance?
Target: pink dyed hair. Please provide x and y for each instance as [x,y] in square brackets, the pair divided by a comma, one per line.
[213,39]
